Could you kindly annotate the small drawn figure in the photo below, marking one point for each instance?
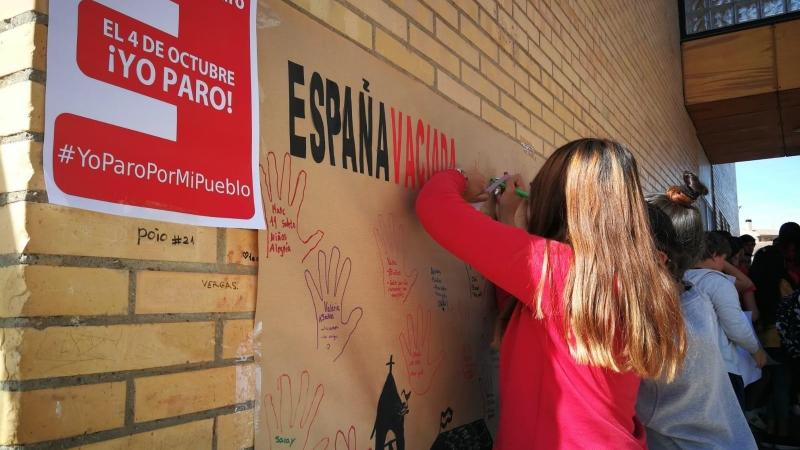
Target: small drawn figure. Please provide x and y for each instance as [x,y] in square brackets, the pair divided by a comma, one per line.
[398,279]
[327,295]
[446,418]
[421,363]
[291,416]
[390,416]
[282,202]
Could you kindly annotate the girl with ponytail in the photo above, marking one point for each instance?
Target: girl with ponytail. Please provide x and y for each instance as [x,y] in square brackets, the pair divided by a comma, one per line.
[597,312]
[698,409]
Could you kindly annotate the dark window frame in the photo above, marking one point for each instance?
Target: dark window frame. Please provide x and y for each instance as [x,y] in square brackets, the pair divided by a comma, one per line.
[731,28]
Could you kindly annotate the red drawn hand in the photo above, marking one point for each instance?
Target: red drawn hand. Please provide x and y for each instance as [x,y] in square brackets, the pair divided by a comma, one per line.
[289,421]
[327,294]
[421,363]
[346,442]
[397,278]
[282,202]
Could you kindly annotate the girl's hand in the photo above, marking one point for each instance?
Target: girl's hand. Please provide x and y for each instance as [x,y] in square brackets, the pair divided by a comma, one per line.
[509,201]
[475,191]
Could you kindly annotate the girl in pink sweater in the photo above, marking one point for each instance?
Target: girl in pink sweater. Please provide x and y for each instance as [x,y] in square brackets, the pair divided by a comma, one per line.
[596,311]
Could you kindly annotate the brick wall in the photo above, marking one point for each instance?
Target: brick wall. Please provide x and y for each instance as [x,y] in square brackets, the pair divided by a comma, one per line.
[111,339]
[725,200]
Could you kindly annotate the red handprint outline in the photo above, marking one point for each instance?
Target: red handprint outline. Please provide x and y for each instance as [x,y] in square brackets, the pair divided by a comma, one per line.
[283,424]
[421,364]
[348,442]
[397,279]
[282,204]
[327,295]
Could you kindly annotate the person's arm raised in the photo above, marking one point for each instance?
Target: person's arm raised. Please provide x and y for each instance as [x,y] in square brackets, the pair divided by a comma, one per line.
[509,257]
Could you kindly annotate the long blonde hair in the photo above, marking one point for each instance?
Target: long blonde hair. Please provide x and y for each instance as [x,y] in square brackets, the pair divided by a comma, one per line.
[621,307]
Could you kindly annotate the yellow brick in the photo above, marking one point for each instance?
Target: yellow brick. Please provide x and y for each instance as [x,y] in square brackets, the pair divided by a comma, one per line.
[63,351]
[396,52]
[525,24]
[571,134]
[431,48]
[237,338]
[189,436]
[511,27]
[241,246]
[497,118]
[180,292]
[445,11]
[14,237]
[540,57]
[22,47]
[538,21]
[48,414]
[550,51]
[553,120]
[562,80]
[470,8]
[336,15]
[542,93]
[385,15]
[572,106]
[570,73]
[513,107]
[417,11]
[490,6]
[456,43]
[11,8]
[187,392]
[58,230]
[458,93]
[527,63]
[493,30]
[530,102]
[542,130]
[506,4]
[527,136]
[478,82]
[479,38]
[562,48]
[551,86]
[517,72]
[563,114]
[27,291]
[23,108]
[494,73]
[22,161]
[235,431]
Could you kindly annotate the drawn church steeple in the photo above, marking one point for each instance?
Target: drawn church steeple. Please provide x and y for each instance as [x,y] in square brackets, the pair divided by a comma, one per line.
[390,414]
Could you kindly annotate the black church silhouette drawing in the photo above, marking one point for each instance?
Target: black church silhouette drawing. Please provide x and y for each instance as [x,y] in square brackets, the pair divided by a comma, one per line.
[391,415]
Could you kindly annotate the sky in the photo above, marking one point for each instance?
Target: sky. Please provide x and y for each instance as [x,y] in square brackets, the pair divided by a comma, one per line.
[769,192]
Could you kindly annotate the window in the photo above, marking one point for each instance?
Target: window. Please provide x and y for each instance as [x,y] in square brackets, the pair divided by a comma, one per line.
[703,17]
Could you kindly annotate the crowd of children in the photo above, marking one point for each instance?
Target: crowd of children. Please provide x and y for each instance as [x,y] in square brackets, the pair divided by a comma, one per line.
[629,326]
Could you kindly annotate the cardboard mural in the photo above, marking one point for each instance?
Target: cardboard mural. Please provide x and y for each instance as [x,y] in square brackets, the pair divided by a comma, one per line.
[368,334]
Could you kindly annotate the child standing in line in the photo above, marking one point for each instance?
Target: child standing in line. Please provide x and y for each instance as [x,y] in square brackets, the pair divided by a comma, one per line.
[734,327]
[697,410]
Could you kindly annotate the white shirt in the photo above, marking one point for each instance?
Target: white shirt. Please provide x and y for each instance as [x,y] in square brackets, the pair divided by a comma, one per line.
[734,328]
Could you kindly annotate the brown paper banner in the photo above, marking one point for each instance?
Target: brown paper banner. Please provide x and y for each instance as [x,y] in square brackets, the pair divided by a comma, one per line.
[369,335]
